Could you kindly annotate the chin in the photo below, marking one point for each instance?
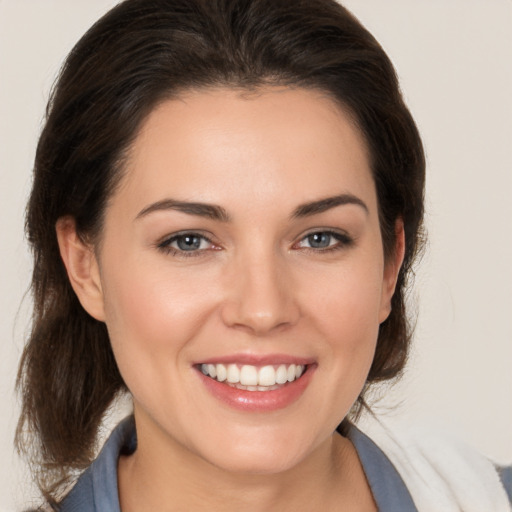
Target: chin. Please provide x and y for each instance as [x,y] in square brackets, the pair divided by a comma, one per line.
[265,462]
[261,453]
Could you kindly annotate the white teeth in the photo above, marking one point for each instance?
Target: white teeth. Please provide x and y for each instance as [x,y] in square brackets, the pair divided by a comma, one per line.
[253,378]
[233,374]
[221,372]
[281,375]
[212,371]
[267,376]
[248,375]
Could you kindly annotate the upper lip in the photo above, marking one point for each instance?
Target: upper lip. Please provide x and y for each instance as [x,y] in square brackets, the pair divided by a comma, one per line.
[258,359]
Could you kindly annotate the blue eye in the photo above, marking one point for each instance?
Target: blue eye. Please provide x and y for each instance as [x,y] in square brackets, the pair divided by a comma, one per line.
[319,240]
[325,240]
[184,243]
[188,242]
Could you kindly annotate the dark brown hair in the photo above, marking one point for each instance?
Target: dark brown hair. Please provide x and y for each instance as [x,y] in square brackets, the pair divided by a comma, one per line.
[139,54]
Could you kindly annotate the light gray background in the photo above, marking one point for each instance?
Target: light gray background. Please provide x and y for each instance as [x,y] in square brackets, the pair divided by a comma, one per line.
[454,58]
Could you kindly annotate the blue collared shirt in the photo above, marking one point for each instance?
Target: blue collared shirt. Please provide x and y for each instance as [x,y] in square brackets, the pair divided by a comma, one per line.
[96,489]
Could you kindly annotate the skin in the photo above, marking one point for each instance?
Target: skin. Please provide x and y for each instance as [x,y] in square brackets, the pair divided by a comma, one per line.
[256,287]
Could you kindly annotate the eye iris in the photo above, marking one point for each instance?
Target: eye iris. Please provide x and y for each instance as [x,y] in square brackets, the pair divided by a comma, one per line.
[188,242]
[319,240]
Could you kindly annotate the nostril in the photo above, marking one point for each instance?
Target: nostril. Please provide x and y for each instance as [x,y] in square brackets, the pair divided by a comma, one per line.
[259,321]
[260,297]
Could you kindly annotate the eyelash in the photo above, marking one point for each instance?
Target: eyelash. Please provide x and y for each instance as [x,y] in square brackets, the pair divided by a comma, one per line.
[343,241]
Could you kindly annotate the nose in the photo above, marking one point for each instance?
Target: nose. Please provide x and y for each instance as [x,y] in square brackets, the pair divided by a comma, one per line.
[260,297]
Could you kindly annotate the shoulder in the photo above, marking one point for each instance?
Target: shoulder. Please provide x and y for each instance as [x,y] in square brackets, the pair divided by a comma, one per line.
[441,472]
[96,489]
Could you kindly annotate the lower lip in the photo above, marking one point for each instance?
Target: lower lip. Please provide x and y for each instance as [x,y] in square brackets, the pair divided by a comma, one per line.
[259,401]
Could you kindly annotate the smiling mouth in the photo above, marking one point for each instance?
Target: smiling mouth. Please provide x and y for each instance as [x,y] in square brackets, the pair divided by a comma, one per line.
[254,378]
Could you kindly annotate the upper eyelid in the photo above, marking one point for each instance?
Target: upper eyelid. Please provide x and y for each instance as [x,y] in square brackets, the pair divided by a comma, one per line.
[332,231]
[341,236]
[170,238]
[324,231]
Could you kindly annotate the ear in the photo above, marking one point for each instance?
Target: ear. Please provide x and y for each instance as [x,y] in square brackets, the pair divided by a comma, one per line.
[391,269]
[82,267]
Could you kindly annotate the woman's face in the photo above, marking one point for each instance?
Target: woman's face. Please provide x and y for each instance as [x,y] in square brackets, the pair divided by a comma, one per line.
[244,242]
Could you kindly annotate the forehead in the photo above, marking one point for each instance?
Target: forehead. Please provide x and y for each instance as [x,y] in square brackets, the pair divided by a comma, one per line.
[223,144]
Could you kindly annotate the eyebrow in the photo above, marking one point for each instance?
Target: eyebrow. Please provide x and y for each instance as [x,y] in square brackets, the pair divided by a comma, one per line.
[322,205]
[215,212]
[209,211]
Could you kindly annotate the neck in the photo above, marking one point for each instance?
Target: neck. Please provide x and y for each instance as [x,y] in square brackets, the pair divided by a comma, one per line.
[167,477]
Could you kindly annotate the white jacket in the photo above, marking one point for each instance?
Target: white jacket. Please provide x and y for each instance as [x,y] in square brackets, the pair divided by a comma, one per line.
[441,473]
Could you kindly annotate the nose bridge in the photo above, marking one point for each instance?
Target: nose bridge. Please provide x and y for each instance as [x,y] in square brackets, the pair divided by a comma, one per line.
[261,292]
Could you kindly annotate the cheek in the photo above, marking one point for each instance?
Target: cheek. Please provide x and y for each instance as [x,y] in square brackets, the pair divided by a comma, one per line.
[348,300]
[151,314]
[347,314]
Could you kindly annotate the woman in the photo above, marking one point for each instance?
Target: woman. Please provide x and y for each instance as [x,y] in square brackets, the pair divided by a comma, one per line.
[227,200]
